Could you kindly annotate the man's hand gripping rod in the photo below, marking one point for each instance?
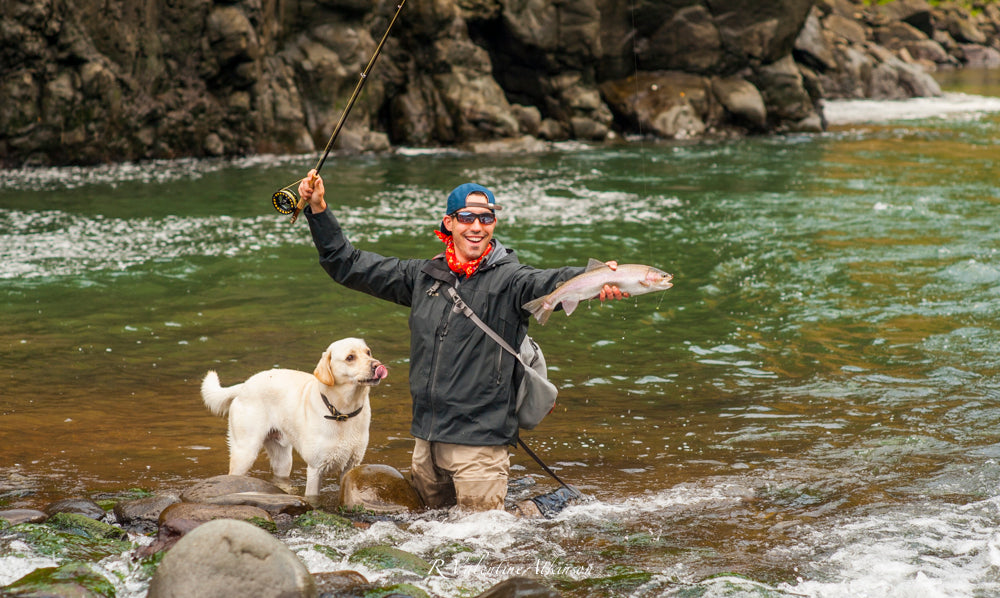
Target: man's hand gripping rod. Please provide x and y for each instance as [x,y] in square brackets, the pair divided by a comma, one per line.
[285,199]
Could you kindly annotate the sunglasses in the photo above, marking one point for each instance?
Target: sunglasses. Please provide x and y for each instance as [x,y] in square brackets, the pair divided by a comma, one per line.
[486,218]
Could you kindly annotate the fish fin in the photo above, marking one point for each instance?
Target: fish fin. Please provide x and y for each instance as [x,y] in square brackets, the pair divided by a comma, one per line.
[537,308]
[569,305]
[593,264]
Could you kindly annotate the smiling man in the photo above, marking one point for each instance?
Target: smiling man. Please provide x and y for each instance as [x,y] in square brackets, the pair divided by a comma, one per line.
[463,384]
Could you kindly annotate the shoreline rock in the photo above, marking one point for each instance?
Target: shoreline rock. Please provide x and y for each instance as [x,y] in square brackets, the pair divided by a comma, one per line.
[236,79]
[223,541]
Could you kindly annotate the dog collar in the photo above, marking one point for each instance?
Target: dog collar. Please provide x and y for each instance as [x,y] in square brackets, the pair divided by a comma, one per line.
[335,414]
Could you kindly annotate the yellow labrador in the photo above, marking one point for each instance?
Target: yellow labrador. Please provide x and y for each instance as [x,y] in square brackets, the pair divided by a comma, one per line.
[323,416]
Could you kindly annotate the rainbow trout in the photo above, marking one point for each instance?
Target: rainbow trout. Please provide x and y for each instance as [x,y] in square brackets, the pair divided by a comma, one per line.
[634,279]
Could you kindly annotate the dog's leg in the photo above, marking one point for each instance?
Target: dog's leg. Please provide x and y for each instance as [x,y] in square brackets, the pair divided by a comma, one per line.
[242,455]
[280,455]
[314,477]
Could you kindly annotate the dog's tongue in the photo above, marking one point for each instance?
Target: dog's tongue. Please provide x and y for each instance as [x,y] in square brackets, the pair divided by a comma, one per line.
[381,371]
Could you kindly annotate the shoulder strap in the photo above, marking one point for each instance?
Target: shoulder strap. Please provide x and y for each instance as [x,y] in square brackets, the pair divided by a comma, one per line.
[465,309]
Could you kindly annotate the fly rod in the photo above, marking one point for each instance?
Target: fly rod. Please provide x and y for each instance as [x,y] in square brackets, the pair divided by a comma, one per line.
[286,200]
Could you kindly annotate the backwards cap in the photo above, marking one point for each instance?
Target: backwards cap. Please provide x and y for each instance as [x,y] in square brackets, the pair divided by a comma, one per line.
[459,196]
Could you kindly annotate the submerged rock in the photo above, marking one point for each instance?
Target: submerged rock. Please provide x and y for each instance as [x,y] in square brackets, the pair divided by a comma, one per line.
[85,526]
[229,558]
[71,542]
[337,583]
[72,580]
[520,587]
[389,557]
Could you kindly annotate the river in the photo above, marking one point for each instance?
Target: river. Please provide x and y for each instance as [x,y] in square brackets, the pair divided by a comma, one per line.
[812,410]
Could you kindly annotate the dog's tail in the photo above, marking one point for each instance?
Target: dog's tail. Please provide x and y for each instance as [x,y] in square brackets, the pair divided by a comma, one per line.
[215,396]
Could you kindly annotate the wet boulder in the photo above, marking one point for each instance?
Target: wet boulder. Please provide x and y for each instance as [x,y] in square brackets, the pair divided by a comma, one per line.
[17,516]
[231,558]
[82,506]
[179,519]
[337,583]
[378,488]
[274,504]
[390,557]
[143,514]
[670,104]
[742,100]
[227,484]
[520,587]
[75,580]
[83,525]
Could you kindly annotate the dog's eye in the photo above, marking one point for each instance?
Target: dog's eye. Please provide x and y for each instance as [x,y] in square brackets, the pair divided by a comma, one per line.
[349,357]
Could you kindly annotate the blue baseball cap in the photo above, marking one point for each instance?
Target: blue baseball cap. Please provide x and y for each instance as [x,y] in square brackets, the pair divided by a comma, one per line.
[457,199]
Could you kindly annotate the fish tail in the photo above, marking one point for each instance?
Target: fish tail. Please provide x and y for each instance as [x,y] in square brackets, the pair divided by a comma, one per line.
[538,309]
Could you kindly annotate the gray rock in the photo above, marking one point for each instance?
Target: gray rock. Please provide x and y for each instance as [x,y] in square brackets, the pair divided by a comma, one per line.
[812,43]
[845,29]
[18,516]
[227,484]
[144,513]
[981,56]
[742,100]
[229,558]
[274,504]
[670,104]
[82,506]
[781,85]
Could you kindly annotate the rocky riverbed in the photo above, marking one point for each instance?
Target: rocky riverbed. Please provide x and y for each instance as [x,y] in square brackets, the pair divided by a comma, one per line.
[87,82]
[226,536]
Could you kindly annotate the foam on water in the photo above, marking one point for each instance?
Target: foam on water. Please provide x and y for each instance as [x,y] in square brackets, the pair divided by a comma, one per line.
[57,243]
[940,550]
[846,112]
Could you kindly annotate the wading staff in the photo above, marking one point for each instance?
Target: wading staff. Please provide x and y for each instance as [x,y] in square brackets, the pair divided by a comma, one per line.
[285,200]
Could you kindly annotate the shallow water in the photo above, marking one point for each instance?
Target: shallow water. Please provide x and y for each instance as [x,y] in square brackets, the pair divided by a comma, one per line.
[811,410]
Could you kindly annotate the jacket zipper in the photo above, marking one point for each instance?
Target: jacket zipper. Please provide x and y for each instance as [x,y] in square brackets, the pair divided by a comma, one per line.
[439,336]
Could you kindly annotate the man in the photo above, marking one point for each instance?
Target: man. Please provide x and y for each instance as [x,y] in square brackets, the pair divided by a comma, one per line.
[462,382]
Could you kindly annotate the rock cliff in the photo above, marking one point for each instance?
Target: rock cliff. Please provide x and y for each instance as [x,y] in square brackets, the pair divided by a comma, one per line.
[87,81]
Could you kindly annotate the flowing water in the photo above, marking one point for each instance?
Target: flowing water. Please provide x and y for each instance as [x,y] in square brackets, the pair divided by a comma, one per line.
[812,410]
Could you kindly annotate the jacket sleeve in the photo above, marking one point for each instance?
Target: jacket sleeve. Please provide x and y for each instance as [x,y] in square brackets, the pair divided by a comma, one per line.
[388,278]
[538,283]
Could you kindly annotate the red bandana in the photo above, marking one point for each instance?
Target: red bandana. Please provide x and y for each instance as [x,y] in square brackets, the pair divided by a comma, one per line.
[467,268]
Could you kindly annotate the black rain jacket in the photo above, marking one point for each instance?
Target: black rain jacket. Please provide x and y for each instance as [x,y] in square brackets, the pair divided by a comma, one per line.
[462,382]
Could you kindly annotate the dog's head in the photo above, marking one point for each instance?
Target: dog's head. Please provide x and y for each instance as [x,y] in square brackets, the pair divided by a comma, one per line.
[349,361]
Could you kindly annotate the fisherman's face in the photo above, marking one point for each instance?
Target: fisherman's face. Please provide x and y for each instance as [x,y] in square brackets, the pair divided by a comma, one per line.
[472,239]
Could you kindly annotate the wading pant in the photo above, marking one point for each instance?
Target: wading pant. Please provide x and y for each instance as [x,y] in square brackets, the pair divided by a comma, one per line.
[472,477]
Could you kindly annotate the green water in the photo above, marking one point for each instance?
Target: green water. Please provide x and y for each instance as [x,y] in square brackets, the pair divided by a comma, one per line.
[824,366]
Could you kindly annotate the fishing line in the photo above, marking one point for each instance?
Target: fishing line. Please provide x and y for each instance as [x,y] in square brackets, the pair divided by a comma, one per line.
[642,155]
[286,200]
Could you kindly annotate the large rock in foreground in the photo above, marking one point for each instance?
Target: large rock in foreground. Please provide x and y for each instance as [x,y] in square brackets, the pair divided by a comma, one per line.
[228,558]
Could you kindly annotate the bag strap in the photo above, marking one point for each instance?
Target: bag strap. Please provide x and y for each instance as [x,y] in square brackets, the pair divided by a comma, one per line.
[465,309]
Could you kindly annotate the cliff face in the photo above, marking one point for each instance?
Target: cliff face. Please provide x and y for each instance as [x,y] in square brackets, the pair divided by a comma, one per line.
[87,81]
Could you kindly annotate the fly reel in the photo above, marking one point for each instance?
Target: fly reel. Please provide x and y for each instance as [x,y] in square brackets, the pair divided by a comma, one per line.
[284,201]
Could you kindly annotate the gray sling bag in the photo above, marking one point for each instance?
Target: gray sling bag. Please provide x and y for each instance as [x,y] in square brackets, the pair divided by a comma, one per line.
[536,396]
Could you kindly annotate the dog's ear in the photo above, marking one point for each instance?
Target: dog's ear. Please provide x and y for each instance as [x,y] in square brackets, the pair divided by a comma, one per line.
[323,371]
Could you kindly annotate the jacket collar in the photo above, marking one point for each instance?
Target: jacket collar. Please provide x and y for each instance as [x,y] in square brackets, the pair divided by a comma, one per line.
[437,268]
